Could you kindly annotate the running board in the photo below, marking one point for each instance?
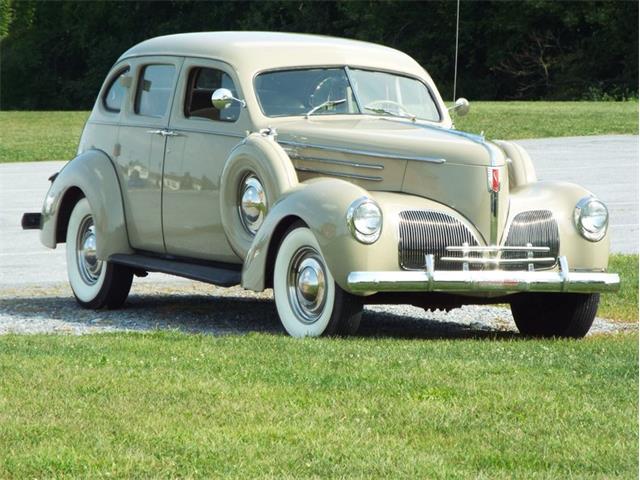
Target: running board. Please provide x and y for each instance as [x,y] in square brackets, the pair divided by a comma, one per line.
[217,275]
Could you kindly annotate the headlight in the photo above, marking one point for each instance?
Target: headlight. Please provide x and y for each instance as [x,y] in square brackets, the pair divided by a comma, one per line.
[364,219]
[591,218]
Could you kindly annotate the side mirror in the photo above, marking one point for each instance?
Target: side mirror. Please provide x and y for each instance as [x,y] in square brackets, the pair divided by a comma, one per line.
[222,98]
[461,107]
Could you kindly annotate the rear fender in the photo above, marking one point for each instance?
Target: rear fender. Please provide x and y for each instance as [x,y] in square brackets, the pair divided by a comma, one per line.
[91,175]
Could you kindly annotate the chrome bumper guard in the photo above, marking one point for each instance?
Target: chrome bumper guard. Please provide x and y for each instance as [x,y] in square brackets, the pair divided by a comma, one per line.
[484,281]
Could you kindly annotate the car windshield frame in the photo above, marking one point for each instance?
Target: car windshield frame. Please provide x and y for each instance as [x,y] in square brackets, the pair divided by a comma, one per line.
[360,108]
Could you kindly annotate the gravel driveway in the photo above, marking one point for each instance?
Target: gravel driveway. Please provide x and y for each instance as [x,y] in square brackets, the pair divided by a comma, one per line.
[35,298]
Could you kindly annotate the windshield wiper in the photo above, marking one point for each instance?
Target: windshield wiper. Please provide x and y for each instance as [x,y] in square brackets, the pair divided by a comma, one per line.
[327,104]
[384,111]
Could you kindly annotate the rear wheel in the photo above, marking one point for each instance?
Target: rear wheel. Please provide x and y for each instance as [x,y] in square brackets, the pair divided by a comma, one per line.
[555,314]
[95,283]
[309,301]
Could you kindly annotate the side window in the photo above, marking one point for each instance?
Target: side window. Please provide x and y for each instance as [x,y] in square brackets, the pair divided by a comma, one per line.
[155,88]
[201,84]
[112,100]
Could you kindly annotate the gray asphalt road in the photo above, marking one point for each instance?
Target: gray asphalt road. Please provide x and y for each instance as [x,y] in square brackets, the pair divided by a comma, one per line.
[607,165]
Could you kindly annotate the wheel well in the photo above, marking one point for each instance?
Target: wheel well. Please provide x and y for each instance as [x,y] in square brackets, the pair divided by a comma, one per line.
[71,197]
[274,243]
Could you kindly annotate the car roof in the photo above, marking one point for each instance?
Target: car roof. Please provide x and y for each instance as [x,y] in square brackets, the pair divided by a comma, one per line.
[251,52]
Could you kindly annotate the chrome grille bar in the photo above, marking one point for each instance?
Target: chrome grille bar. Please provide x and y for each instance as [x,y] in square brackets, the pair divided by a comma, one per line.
[497,261]
[535,228]
[495,249]
[424,232]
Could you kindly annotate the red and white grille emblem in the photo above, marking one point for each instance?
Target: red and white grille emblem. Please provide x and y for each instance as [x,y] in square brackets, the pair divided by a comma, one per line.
[493,179]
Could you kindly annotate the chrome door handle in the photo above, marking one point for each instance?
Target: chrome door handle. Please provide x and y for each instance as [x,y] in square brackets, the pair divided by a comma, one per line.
[165,133]
[170,133]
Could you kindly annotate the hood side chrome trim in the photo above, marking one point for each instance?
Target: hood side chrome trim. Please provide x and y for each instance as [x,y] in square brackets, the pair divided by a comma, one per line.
[296,156]
[339,174]
[368,153]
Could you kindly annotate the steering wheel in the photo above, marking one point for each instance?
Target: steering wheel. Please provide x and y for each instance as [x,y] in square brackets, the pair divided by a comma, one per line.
[330,85]
[381,103]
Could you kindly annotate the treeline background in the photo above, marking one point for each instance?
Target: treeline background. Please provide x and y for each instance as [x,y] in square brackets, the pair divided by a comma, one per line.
[54,55]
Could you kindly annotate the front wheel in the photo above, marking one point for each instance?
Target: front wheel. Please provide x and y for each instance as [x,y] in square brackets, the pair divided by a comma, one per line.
[95,283]
[555,314]
[309,301]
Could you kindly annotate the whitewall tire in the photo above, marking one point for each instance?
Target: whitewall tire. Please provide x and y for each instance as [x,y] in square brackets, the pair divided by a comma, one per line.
[95,283]
[309,301]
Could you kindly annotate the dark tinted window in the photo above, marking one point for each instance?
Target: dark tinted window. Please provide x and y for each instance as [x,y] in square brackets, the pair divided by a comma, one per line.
[112,100]
[155,88]
[201,85]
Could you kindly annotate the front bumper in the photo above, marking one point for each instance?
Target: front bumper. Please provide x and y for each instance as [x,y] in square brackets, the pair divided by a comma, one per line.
[484,281]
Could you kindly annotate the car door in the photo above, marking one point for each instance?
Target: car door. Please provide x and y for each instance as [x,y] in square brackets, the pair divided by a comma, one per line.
[142,138]
[194,161]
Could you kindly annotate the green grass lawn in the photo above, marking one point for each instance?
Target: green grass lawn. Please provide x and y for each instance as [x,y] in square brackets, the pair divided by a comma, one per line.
[31,136]
[175,405]
[518,120]
[622,305]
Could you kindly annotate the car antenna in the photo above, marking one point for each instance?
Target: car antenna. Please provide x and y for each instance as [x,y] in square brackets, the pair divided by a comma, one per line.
[455,63]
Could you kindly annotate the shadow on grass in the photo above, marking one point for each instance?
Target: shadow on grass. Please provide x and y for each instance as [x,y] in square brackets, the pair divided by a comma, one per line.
[218,315]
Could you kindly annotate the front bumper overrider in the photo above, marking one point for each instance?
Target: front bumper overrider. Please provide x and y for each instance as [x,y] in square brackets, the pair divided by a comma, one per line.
[483,281]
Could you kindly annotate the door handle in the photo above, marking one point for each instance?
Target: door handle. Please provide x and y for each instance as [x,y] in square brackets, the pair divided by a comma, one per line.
[165,133]
[170,133]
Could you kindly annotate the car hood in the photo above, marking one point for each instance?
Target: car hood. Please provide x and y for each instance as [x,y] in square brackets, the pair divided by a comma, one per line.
[398,155]
[391,137]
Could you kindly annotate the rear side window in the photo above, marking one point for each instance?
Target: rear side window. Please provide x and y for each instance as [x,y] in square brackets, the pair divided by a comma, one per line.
[201,85]
[112,100]
[155,88]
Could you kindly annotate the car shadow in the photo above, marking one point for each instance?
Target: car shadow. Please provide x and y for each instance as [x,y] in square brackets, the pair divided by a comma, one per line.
[218,315]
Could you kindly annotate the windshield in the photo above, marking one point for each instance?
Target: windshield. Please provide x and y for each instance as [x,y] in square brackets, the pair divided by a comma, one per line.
[342,91]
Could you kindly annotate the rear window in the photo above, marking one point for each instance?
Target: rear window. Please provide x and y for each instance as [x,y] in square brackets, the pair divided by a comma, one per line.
[112,100]
[155,88]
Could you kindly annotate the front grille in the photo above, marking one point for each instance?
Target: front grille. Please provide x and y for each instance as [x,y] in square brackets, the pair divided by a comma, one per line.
[425,232]
[537,227]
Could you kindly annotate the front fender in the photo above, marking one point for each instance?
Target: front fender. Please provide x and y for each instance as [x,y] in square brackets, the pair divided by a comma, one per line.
[561,199]
[322,204]
[93,174]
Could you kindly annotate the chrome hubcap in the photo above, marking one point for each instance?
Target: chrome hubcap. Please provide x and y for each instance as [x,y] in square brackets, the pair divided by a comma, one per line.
[252,203]
[88,264]
[307,284]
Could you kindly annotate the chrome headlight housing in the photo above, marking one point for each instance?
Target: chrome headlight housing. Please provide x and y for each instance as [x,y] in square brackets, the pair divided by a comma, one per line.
[591,218]
[364,219]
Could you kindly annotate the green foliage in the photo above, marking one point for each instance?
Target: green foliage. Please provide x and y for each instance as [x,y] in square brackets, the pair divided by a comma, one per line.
[170,405]
[6,16]
[56,54]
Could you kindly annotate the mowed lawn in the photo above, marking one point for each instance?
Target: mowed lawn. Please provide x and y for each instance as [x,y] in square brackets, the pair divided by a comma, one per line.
[33,136]
[622,305]
[175,405]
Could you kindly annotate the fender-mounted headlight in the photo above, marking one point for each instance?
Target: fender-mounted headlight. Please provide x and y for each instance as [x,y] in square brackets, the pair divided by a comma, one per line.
[591,218]
[364,219]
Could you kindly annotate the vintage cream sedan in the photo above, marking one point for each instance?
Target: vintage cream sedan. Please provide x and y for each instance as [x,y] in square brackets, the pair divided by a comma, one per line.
[326,169]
